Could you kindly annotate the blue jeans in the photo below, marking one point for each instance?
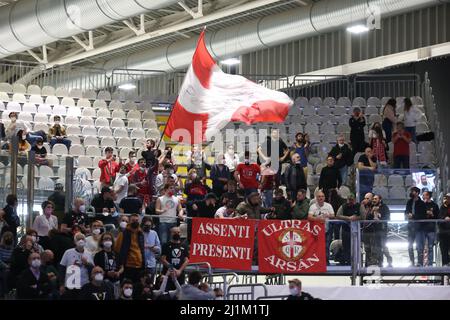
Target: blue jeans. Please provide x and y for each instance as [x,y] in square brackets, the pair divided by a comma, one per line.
[267,198]
[412,131]
[247,192]
[344,174]
[164,231]
[421,236]
[64,141]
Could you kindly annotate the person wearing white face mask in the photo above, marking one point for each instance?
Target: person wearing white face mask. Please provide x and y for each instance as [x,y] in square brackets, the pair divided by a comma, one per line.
[97,289]
[77,216]
[92,241]
[106,259]
[343,156]
[76,260]
[126,292]
[296,293]
[40,153]
[33,282]
[57,133]
[45,222]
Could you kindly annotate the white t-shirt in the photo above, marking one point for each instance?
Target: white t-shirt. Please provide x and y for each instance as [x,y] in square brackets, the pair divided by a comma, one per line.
[412,117]
[121,180]
[231,161]
[170,204]
[221,212]
[71,258]
[42,225]
[322,211]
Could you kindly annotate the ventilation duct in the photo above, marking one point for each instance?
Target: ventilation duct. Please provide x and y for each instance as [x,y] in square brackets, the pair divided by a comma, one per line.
[28,24]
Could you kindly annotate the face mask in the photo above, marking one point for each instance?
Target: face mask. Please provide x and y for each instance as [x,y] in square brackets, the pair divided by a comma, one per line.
[293,291]
[81,243]
[134,225]
[96,231]
[230,151]
[171,172]
[123,224]
[128,292]
[98,277]
[193,176]
[107,244]
[176,237]
[82,208]
[146,228]
[34,239]
[40,147]
[48,211]
[57,122]
[24,137]
[341,145]
[170,194]
[133,160]
[13,119]
[36,263]
[247,162]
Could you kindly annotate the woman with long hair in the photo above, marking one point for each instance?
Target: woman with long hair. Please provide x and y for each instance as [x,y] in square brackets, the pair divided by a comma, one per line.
[411,117]
[389,118]
[377,138]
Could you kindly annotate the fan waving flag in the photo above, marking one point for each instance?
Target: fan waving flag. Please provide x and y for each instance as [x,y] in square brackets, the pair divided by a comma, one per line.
[210,98]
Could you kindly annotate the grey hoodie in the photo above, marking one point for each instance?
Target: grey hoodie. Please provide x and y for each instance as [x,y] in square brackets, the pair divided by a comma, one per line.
[190,292]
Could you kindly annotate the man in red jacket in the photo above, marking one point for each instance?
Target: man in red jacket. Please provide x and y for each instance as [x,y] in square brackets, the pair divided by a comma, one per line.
[109,167]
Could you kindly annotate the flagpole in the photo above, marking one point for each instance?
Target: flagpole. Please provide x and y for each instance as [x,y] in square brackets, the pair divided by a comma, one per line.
[171,111]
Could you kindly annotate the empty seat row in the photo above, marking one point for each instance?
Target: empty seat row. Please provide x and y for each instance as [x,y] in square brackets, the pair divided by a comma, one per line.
[303,102]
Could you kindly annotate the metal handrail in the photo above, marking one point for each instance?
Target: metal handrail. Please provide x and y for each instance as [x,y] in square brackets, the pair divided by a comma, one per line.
[252,290]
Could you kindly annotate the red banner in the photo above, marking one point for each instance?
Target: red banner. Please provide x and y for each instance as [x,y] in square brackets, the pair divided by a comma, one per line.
[224,243]
[291,246]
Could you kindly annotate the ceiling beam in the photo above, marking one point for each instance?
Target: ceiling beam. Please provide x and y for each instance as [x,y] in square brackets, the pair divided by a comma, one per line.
[207,18]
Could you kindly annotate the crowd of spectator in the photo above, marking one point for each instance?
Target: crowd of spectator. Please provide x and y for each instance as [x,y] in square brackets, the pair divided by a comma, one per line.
[117,239]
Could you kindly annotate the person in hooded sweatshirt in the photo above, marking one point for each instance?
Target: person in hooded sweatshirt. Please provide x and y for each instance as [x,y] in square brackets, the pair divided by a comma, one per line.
[282,206]
[130,248]
[295,177]
[205,208]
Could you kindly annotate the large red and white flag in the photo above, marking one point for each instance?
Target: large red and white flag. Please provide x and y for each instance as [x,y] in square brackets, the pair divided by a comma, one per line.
[210,98]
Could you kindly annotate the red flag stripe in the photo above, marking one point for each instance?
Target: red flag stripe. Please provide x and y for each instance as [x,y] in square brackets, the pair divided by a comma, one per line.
[202,62]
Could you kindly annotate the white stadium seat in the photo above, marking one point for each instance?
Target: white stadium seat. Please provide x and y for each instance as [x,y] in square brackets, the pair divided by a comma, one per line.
[25,116]
[117,123]
[40,126]
[52,100]
[85,161]
[83,103]
[41,117]
[309,111]
[88,112]
[118,114]
[19,97]
[70,120]
[374,101]
[19,88]
[149,124]
[101,122]
[45,108]
[134,124]
[108,142]
[75,139]
[134,114]
[397,193]
[100,104]
[29,107]
[90,141]
[315,102]
[77,150]
[359,101]
[46,171]
[104,95]
[89,131]
[89,94]
[61,92]
[36,99]
[124,142]
[86,121]
[75,130]
[13,106]
[6,87]
[4,97]
[59,110]
[68,102]
[123,153]
[46,184]
[129,105]
[104,132]
[116,105]
[48,91]
[93,151]
[329,101]
[371,110]
[76,93]
[344,101]
[103,113]
[148,115]
[60,149]
[96,174]
[395,180]
[137,133]
[120,133]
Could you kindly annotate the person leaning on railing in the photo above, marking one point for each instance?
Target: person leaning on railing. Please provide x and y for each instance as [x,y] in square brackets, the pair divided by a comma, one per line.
[350,211]
[426,231]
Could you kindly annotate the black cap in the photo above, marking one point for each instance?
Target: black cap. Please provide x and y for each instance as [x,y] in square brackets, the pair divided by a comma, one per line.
[210,196]
[106,190]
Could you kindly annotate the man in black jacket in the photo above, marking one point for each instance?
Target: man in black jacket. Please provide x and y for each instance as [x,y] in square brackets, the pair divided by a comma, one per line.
[426,231]
[444,230]
[97,289]
[330,178]
[348,212]
[296,293]
[295,177]
[383,227]
[33,282]
[415,210]
[282,207]
[11,217]
[343,156]
[357,123]
[205,208]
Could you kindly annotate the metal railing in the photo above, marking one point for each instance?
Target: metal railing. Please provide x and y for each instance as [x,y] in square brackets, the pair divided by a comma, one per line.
[245,291]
